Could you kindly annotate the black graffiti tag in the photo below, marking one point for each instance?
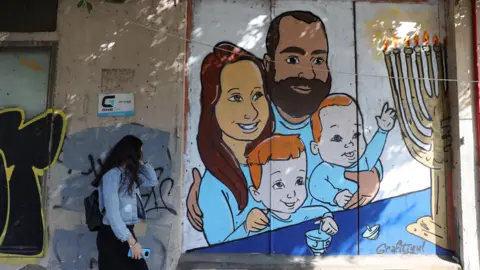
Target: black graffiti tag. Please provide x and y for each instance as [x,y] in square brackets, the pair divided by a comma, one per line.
[27,149]
[159,171]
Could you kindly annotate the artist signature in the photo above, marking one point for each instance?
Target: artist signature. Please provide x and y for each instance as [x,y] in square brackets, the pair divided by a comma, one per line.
[401,248]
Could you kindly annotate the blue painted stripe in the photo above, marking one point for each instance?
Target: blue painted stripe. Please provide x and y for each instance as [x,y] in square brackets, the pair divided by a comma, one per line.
[106,114]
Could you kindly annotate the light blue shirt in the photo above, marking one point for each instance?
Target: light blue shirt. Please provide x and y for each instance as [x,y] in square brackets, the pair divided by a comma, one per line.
[120,205]
[328,179]
[222,220]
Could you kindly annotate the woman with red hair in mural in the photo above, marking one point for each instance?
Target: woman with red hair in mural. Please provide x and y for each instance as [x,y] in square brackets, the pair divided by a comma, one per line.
[235,115]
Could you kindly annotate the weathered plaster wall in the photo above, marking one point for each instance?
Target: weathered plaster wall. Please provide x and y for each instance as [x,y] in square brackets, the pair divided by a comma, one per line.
[464,127]
[145,39]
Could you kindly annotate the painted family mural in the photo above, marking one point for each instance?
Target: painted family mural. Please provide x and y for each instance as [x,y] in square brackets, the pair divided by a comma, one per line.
[289,167]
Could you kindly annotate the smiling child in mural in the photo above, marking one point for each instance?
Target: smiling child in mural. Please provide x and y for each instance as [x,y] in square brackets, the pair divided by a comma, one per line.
[297,80]
[342,145]
[278,168]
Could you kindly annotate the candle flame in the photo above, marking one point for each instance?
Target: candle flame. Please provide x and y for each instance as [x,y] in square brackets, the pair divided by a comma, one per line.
[407,41]
[415,39]
[395,42]
[385,45]
[435,40]
[426,37]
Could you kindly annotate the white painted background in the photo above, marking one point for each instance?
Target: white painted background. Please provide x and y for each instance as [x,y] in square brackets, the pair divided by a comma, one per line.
[245,23]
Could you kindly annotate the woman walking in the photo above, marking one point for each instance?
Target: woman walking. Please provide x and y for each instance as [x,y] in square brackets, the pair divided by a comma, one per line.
[122,174]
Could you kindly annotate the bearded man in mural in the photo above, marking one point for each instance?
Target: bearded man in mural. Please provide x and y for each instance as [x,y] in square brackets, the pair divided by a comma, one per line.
[297,81]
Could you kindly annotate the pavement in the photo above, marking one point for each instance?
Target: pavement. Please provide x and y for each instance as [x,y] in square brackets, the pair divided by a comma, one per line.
[282,262]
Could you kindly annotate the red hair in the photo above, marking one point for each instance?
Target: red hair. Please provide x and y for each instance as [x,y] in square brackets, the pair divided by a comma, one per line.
[277,147]
[215,154]
[331,100]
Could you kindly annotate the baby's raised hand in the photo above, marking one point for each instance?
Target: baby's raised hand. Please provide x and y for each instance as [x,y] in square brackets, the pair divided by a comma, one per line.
[343,197]
[328,225]
[386,120]
[256,221]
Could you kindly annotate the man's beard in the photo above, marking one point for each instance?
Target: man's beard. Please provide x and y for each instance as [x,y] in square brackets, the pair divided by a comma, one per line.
[293,103]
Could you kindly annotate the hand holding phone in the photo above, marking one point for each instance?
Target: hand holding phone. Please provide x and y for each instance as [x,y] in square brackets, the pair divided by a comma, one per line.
[145,251]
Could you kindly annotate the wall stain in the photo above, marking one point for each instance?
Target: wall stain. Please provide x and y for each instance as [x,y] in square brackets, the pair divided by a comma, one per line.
[31,64]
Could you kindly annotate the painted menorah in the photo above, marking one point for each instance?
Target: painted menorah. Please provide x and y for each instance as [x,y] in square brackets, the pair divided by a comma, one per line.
[433,149]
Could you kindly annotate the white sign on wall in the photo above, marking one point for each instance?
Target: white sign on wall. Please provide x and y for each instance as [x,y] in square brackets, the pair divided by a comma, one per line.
[115,105]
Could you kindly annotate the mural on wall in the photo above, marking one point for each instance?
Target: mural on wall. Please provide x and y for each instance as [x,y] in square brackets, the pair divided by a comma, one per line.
[432,150]
[290,166]
[27,150]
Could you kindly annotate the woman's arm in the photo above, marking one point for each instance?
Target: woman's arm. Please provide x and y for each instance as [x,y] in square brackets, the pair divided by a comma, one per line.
[147,176]
[110,186]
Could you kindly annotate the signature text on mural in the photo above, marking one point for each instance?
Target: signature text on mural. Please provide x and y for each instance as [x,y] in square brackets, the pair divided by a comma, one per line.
[401,248]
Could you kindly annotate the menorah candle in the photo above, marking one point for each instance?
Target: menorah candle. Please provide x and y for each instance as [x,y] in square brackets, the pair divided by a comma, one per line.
[407,49]
[437,48]
[418,50]
[388,63]
[421,116]
[398,64]
[393,86]
[402,90]
[428,55]
[419,62]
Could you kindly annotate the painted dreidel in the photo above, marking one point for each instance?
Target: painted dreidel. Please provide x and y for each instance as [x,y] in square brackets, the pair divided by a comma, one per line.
[318,241]
[372,232]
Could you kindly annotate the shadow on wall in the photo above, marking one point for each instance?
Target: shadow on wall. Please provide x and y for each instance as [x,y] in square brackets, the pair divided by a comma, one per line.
[96,142]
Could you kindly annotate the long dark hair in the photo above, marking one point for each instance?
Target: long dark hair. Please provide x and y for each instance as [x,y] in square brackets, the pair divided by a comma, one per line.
[127,153]
[215,154]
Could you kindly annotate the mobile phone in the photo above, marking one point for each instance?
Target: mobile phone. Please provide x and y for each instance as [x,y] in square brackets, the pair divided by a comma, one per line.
[146,252]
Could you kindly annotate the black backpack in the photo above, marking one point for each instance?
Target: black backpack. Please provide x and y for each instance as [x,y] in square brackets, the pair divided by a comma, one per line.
[93,215]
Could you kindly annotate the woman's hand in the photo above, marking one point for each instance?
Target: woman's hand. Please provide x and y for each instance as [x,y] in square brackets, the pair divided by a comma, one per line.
[137,252]
[135,248]
[256,221]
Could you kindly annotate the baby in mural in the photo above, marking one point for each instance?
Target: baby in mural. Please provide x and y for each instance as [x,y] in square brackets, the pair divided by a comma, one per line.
[342,147]
[277,168]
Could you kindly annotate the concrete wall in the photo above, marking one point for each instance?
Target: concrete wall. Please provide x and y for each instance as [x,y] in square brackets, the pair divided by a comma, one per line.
[137,47]
[464,99]
[412,170]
